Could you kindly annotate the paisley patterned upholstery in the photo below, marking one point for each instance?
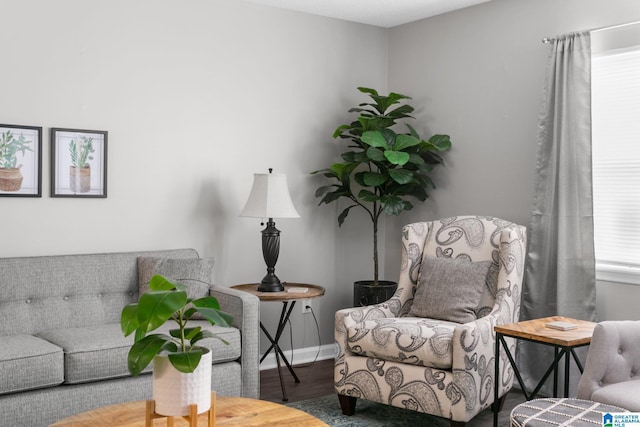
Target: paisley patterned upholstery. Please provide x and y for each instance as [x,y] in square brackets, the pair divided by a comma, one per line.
[412,340]
[438,367]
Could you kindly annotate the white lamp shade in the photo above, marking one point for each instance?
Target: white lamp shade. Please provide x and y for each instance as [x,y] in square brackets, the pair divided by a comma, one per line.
[269,197]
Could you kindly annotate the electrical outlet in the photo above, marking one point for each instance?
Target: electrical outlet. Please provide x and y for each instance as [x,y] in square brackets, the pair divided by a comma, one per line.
[306,306]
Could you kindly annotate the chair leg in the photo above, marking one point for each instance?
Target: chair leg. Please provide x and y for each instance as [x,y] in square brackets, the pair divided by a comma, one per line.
[347,404]
[497,406]
[457,423]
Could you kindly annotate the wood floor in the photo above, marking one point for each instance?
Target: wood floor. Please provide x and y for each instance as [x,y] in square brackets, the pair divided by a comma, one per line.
[317,380]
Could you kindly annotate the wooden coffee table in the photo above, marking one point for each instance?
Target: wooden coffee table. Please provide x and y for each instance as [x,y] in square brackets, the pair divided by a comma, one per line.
[230,411]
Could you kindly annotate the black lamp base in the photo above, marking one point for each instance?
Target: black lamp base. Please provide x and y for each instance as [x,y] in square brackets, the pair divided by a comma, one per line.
[270,251]
[270,283]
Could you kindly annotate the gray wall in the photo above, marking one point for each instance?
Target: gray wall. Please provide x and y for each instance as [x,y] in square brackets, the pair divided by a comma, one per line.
[199,95]
[478,74]
[196,96]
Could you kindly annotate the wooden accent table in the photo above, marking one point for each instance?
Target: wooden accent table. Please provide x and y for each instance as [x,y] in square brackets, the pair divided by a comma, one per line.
[563,342]
[313,291]
[230,411]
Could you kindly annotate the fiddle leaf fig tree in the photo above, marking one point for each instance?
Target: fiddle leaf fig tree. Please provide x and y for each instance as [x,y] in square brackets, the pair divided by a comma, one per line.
[381,169]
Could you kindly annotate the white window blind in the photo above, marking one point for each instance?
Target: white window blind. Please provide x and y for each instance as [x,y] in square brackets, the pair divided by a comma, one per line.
[616,163]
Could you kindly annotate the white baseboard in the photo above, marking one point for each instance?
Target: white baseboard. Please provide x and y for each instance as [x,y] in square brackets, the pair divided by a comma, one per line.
[301,355]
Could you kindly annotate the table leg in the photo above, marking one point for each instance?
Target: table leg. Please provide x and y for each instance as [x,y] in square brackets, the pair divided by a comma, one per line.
[496,384]
[551,369]
[567,360]
[555,372]
[284,318]
[575,357]
[283,322]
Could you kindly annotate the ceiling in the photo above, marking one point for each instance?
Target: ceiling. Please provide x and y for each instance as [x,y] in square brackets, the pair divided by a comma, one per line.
[381,13]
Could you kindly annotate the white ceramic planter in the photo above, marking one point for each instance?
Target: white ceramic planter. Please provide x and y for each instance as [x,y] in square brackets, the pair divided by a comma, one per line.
[174,391]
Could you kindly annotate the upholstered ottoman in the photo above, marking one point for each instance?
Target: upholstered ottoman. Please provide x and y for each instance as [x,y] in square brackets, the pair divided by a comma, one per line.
[560,412]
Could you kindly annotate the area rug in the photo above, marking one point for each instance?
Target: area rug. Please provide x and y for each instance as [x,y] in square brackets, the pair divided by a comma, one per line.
[368,414]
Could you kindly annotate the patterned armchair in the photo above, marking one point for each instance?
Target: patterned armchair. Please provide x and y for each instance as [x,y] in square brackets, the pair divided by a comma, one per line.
[435,353]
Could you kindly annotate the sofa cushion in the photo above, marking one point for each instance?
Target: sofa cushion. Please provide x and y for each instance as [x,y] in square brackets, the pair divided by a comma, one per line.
[100,352]
[412,340]
[450,289]
[195,273]
[28,362]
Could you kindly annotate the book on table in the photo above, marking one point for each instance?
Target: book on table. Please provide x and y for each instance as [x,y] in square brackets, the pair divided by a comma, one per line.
[561,326]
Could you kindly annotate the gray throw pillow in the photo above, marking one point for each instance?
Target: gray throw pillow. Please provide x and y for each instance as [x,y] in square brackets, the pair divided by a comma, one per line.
[195,273]
[449,289]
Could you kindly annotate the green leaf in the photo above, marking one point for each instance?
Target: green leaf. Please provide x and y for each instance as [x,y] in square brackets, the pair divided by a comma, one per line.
[375,154]
[368,90]
[156,307]
[161,283]
[343,215]
[207,334]
[412,131]
[207,301]
[399,158]
[189,333]
[216,317]
[392,205]
[340,130]
[440,142]
[367,196]
[322,190]
[401,176]
[186,362]
[416,159]
[373,179]
[405,141]
[375,139]
[142,352]
[129,319]
[325,171]
[342,170]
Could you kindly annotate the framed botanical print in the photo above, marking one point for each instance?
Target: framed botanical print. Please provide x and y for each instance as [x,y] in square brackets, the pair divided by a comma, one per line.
[78,163]
[20,161]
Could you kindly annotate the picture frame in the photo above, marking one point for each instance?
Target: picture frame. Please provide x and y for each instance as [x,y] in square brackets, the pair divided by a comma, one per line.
[20,161]
[78,163]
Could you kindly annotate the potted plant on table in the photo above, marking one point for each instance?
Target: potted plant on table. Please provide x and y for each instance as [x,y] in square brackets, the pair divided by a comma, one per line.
[80,170]
[179,365]
[10,175]
[380,170]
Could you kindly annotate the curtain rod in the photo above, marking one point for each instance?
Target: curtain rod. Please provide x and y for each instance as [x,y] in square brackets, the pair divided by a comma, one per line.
[595,30]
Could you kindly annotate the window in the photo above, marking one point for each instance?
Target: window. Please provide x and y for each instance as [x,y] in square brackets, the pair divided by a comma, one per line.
[616,163]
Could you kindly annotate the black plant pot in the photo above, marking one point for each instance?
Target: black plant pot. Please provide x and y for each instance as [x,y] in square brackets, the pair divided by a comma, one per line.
[366,293]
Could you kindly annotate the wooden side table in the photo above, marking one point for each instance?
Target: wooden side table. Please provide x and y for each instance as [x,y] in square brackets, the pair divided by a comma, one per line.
[563,342]
[288,300]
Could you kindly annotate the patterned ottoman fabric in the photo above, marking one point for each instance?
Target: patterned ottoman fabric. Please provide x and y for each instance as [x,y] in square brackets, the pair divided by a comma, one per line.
[560,412]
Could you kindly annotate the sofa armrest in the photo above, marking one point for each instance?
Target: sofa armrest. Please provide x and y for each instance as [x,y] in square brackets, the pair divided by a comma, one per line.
[245,309]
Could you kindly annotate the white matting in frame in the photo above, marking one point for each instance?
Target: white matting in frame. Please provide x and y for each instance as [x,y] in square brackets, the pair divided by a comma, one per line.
[20,161]
[78,163]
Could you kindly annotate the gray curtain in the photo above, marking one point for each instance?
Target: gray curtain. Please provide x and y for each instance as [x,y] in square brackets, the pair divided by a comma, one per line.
[560,274]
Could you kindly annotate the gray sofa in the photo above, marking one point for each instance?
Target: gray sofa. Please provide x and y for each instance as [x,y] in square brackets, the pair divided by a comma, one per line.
[61,349]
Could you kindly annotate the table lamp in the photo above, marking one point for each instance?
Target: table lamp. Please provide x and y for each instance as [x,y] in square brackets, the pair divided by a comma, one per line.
[269,198]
